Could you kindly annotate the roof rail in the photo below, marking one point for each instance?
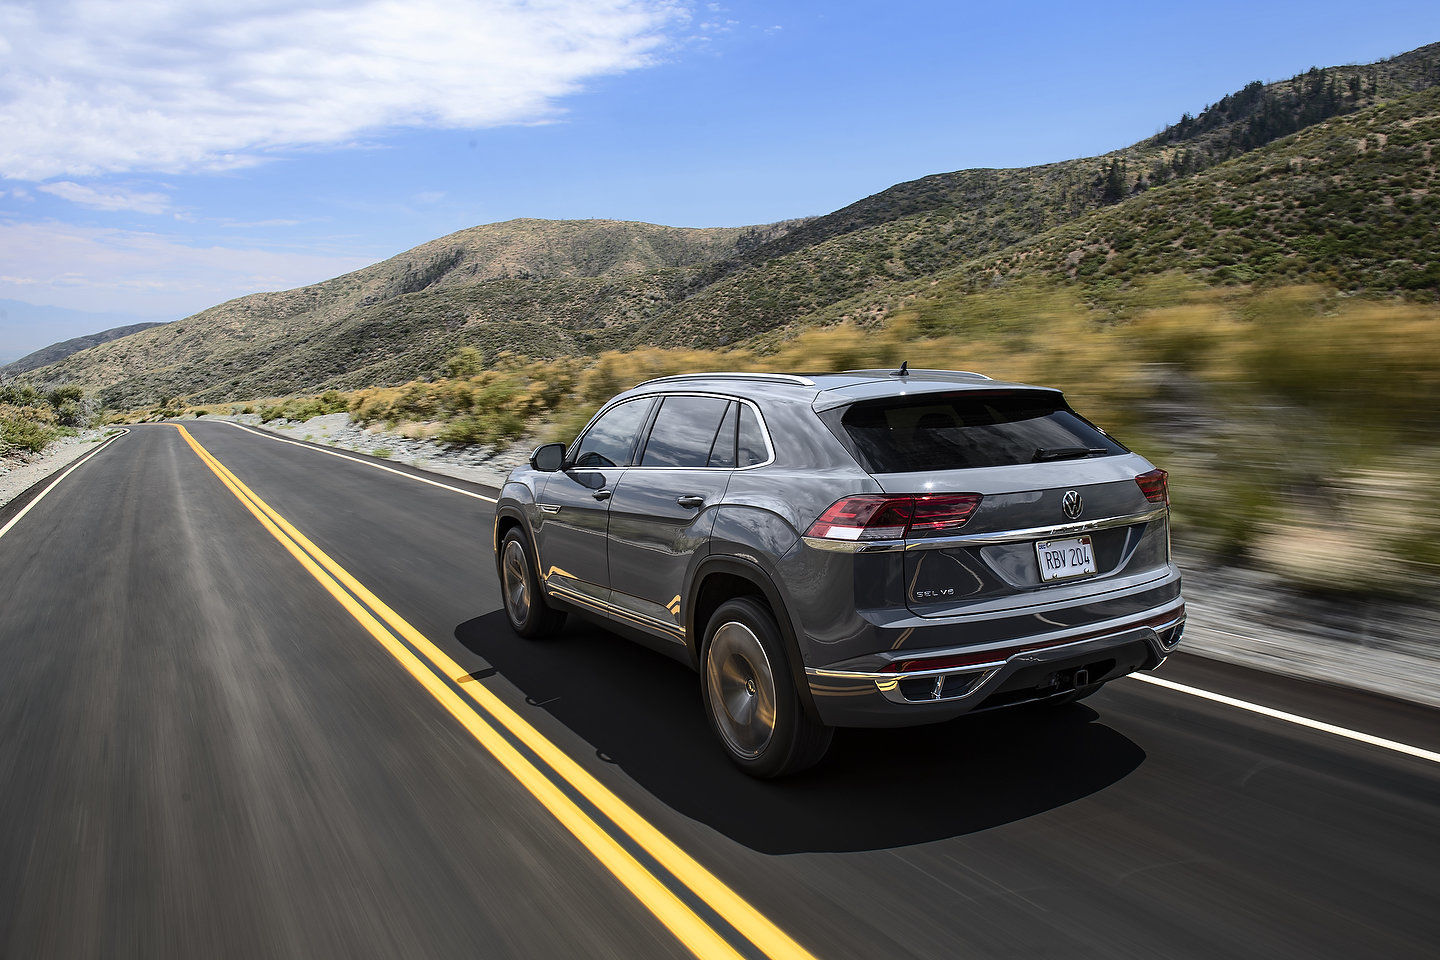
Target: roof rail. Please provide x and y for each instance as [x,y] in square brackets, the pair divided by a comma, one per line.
[912,371]
[772,377]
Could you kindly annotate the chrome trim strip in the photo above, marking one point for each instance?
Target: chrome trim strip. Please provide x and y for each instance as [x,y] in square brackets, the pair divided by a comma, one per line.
[550,508]
[1033,533]
[759,417]
[773,377]
[854,546]
[610,608]
[914,674]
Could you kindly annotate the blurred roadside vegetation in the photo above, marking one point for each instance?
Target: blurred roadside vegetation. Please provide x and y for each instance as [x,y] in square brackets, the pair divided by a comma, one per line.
[1299,425]
[31,419]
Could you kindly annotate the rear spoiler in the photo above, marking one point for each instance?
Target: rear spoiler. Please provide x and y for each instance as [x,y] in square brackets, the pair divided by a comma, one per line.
[887,390]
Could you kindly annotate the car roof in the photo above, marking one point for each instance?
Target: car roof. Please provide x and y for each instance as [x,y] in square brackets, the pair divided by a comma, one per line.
[827,390]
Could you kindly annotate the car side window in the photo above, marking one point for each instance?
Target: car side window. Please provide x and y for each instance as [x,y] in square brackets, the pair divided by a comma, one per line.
[684,432]
[722,451]
[751,447]
[610,441]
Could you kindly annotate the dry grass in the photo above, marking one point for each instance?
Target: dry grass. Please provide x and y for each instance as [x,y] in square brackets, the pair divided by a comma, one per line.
[1299,425]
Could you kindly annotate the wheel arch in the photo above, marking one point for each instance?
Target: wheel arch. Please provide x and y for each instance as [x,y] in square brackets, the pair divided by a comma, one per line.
[507,518]
[721,578]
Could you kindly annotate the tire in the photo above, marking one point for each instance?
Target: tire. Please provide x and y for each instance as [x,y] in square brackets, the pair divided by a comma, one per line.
[749,695]
[520,592]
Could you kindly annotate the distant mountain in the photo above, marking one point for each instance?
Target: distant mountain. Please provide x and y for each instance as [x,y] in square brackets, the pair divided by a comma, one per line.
[1328,176]
[28,327]
[59,351]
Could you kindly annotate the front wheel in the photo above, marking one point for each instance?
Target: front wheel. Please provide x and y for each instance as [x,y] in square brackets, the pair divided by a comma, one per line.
[749,695]
[525,604]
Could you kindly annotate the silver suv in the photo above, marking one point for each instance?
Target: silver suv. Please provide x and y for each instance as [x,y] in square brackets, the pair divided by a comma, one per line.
[868,548]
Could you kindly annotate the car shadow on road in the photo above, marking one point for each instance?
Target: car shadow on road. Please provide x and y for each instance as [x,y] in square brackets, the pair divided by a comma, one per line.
[877,789]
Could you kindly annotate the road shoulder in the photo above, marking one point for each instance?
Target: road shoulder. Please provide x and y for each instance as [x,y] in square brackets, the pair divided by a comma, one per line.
[19,478]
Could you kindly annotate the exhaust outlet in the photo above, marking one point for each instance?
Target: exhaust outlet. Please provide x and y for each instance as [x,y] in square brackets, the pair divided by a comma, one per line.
[1082,678]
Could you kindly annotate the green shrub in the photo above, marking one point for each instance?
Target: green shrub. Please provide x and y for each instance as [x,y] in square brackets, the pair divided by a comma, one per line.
[488,428]
[18,432]
[63,395]
[465,362]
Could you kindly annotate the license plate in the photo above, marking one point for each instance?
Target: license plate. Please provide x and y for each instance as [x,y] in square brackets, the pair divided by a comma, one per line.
[1060,559]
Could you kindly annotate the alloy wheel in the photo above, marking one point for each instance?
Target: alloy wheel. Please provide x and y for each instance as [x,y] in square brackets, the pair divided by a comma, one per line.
[742,689]
[516,586]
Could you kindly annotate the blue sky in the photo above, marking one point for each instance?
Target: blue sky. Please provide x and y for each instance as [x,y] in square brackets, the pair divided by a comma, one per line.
[162,157]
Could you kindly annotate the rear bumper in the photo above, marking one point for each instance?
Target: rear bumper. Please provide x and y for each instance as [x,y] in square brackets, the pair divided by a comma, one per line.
[910,691]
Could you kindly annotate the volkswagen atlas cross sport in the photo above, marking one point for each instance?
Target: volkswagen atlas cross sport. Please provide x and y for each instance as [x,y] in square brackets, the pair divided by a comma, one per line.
[868,548]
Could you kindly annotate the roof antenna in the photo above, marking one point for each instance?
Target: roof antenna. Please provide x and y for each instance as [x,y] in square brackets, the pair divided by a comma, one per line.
[904,370]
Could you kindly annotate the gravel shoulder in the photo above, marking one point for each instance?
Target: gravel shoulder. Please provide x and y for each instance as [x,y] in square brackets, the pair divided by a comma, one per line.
[477,464]
[20,472]
[1247,617]
[1235,615]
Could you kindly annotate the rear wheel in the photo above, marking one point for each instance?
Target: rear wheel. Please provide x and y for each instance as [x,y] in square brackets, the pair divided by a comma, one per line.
[525,604]
[749,695]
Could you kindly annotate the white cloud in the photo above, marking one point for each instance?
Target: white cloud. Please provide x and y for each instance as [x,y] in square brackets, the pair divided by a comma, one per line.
[87,268]
[103,86]
[112,198]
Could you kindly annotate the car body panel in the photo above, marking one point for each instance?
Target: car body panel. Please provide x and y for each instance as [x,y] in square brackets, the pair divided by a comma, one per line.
[651,536]
[850,610]
[572,539]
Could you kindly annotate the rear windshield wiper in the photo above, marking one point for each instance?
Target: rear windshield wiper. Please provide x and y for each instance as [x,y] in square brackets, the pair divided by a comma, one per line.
[1066,453]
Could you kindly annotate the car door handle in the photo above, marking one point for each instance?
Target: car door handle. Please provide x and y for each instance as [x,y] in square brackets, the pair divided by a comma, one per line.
[601,494]
[691,502]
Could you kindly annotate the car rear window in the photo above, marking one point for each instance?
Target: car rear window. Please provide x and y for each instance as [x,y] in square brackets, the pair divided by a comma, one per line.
[957,431]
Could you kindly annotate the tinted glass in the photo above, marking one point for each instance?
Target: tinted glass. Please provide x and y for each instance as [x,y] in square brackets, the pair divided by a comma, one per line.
[722,452]
[751,446]
[611,439]
[955,431]
[684,432]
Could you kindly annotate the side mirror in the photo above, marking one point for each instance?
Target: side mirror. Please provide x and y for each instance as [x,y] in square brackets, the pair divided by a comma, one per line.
[548,457]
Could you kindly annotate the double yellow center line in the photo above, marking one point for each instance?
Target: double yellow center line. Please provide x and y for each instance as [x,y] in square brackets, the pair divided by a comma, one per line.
[672,885]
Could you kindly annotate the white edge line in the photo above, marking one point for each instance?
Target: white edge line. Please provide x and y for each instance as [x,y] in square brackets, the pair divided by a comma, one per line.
[366,463]
[1330,728]
[56,482]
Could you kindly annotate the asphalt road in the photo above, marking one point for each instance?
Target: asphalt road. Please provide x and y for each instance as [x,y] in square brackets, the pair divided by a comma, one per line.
[207,752]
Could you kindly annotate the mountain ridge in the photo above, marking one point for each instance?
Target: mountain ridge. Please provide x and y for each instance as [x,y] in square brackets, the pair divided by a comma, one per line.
[58,351]
[551,288]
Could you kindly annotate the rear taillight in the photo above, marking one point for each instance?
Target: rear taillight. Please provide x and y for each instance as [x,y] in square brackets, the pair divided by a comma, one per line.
[875,517]
[1154,486]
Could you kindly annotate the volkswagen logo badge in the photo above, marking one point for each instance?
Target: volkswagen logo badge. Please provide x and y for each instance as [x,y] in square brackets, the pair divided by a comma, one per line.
[1072,505]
